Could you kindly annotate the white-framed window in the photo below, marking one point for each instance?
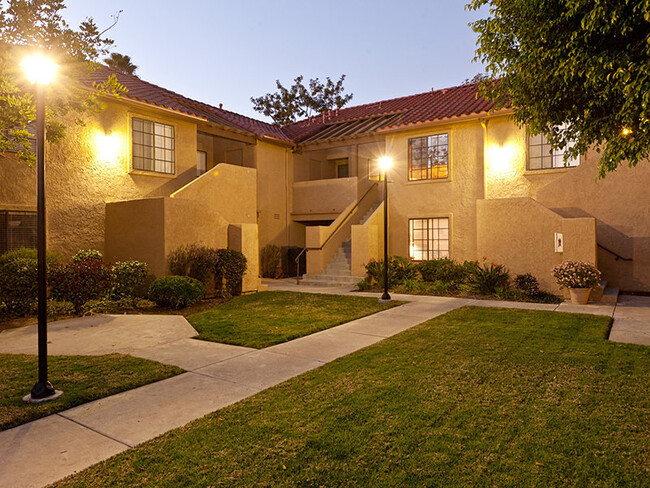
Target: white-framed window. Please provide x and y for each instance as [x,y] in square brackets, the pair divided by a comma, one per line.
[153,146]
[428,238]
[429,157]
[541,154]
[201,162]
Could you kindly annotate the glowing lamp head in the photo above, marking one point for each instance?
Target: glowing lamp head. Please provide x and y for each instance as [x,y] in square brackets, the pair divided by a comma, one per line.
[385,163]
[39,69]
[626,131]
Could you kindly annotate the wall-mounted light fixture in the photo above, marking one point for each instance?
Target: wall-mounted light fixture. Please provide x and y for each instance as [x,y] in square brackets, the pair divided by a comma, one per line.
[108,146]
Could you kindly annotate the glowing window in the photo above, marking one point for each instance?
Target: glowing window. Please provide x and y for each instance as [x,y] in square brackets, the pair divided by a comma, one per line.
[428,238]
[429,157]
[153,146]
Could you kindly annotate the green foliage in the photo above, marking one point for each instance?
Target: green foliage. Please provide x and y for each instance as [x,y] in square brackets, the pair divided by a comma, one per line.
[176,291]
[230,270]
[121,62]
[193,260]
[489,279]
[288,104]
[128,276]
[446,270]
[51,258]
[87,255]
[116,305]
[26,25]
[18,284]
[527,284]
[271,259]
[87,277]
[399,270]
[579,63]
[56,308]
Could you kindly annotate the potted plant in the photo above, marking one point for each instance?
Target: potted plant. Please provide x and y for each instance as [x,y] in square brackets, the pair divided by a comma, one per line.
[579,277]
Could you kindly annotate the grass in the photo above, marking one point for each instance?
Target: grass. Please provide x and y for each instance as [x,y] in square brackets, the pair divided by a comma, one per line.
[82,379]
[477,397]
[264,319]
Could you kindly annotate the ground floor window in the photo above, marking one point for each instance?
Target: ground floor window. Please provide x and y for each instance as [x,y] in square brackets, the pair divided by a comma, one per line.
[428,238]
[17,229]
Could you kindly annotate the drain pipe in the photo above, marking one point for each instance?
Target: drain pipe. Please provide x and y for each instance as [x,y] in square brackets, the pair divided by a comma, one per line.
[484,124]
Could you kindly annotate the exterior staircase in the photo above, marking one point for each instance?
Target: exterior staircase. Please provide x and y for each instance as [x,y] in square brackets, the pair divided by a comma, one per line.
[337,272]
[603,294]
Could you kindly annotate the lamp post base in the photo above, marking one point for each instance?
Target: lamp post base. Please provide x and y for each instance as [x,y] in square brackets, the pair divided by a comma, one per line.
[42,392]
[385,298]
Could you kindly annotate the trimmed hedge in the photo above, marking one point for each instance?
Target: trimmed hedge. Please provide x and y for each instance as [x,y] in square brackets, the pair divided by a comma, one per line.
[87,277]
[176,291]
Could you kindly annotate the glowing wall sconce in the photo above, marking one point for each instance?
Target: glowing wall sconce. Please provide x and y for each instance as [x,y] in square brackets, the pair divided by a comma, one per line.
[108,146]
[502,159]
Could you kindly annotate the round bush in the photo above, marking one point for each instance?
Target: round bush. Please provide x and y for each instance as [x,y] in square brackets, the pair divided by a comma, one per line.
[128,276]
[176,291]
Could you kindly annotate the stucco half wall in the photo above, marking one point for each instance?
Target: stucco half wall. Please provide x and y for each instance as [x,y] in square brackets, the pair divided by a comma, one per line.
[520,233]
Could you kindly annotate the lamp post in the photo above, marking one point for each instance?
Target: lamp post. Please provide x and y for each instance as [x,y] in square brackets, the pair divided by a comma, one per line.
[40,71]
[385,163]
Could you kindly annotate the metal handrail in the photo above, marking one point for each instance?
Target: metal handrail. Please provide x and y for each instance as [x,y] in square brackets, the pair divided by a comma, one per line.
[345,219]
[618,256]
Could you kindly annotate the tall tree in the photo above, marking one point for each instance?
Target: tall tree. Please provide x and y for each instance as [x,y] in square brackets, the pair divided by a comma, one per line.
[288,104]
[28,26]
[582,63]
[121,62]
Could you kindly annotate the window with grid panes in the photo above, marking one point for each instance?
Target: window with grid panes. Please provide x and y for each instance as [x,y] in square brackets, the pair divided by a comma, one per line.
[429,157]
[153,146]
[541,154]
[17,229]
[428,238]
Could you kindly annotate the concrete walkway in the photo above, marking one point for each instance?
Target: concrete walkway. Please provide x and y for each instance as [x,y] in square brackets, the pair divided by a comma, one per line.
[43,451]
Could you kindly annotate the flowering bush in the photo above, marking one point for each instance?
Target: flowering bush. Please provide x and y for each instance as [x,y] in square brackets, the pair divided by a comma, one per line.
[87,277]
[576,274]
[527,284]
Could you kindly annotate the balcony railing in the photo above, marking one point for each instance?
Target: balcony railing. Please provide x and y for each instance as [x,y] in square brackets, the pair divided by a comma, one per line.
[330,196]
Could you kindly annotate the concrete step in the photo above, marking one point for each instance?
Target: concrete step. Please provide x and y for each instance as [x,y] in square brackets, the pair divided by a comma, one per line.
[610,295]
[338,267]
[596,295]
[338,272]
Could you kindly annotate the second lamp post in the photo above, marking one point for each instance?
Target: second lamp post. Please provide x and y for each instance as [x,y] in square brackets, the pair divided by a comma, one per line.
[385,163]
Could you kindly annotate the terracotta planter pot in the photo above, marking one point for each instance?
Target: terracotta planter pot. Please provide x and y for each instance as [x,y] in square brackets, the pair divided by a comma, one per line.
[579,296]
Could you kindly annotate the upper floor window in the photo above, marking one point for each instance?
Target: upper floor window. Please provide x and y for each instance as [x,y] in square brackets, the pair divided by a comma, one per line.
[153,146]
[201,162]
[429,157]
[342,167]
[541,154]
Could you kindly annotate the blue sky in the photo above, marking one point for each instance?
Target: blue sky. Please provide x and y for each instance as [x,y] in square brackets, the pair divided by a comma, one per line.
[227,51]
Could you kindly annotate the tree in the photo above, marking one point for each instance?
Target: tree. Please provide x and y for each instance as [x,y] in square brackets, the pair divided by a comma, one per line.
[297,101]
[574,70]
[37,25]
[477,78]
[121,62]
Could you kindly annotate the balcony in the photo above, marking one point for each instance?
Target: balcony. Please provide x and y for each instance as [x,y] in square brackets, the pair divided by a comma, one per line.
[323,199]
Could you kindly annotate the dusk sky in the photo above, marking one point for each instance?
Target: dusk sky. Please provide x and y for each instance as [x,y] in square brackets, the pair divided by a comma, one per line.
[226,52]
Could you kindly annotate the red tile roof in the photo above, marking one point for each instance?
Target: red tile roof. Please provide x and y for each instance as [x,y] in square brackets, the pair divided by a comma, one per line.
[149,93]
[432,106]
[423,108]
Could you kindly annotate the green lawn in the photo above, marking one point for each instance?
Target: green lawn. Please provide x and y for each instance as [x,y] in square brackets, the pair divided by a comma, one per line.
[82,379]
[478,397]
[263,319]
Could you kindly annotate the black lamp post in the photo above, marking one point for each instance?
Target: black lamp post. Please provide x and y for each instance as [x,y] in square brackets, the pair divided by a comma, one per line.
[385,163]
[40,72]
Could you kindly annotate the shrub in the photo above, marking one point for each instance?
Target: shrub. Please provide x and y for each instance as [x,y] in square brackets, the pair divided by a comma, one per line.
[230,270]
[271,260]
[85,278]
[446,270]
[576,274]
[18,284]
[127,277]
[363,285]
[55,308]
[195,261]
[527,284]
[87,255]
[489,280]
[176,291]
[399,270]
[51,258]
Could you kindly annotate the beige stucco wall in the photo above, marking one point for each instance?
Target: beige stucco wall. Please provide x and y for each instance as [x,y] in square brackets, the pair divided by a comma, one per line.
[520,233]
[453,197]
[367,242]
[80,180]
